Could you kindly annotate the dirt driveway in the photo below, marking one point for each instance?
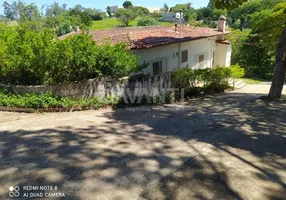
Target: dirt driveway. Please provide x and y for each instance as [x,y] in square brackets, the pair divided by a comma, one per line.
[230,146]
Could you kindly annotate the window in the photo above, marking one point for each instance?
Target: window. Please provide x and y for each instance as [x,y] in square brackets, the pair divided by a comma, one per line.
[201,58]
[184,56]
[157,67]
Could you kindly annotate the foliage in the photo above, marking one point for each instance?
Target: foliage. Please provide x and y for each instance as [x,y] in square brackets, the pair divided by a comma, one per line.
[166,8]
[251,54]
[4,20]
[36,57]
[108,11]
[48,101]
[189,12]
[141,11]
[127,4]
[255,50]
[269,24]
[203,13]
[147,21]
[228,4]
[125,16]
[213,79]
[116,61]
[236,71]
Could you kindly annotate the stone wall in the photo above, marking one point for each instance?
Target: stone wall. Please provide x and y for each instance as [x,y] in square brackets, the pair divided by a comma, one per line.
[100,87]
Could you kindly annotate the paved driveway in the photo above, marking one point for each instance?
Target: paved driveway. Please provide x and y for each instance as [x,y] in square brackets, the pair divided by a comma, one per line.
[230,146]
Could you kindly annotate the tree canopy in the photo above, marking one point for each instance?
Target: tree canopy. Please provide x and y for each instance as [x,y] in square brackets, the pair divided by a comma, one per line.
[125,16]
[127,4]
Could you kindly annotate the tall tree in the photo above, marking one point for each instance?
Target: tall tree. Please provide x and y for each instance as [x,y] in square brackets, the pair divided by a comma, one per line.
[127,4]
[125,16]
[280,66]
[108,11]
[11,10]
[166,8]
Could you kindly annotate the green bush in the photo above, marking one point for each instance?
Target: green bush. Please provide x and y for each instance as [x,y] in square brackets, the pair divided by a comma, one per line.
[236,71]
[45,101]
[205,80]
[147,21]
[35,56]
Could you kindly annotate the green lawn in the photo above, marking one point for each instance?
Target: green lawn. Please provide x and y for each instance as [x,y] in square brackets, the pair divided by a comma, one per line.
[252,80]
[113,23]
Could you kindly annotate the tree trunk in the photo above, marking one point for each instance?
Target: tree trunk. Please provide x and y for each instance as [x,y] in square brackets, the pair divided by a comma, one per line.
[280,69]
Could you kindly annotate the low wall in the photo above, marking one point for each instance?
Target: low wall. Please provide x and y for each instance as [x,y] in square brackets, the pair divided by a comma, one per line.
[100,87]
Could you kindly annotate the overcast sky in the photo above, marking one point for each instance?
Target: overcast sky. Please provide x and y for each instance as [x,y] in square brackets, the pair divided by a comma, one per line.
[99,4]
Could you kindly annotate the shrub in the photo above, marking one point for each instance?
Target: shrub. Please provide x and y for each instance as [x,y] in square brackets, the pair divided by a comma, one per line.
[236,71]
[207,80]
[35,56]
[45,101]
[147,21]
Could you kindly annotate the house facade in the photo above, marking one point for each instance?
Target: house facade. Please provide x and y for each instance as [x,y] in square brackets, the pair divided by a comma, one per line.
[167,48]
[197,54]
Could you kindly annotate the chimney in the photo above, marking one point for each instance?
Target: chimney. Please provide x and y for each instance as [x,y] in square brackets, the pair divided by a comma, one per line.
[222,24]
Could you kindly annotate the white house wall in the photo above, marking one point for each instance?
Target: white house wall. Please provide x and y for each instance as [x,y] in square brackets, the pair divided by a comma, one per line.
[167,53]
[171,55]
[198,47]
[223,55]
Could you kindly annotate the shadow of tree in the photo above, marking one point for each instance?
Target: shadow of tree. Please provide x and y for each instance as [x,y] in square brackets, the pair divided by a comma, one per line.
[251,131]
[225,147]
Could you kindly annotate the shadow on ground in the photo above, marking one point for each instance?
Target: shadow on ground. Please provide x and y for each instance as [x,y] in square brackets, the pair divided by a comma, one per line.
[225,147]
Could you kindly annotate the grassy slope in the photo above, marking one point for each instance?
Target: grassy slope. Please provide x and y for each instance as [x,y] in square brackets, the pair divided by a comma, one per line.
[252,80]
[112,23]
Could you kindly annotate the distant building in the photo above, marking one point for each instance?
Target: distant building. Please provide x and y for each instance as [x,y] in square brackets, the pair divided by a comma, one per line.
[113,9]
[172,17]
[154,10]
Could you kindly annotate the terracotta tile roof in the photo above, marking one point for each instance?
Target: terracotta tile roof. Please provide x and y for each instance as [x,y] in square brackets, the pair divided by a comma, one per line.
[148,37]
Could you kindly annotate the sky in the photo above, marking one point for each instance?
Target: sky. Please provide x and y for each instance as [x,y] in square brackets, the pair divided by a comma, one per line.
[101,4]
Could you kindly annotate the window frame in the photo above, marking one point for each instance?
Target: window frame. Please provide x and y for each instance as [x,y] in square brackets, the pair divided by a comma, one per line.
[185,54]
[160,67]
[199,58]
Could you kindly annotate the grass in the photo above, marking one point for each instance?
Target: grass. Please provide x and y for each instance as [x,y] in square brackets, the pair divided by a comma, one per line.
[252,80]
[113,23]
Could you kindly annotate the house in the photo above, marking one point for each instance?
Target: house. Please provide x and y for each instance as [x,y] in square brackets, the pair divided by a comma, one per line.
[165,48]
[113,9]
[171,17]
[154,10]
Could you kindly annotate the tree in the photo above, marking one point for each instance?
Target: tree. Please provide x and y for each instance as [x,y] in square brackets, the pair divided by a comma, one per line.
[277,23]
[127,4]
[189,12]
[270,28]
[166,8]
[125,16]
[108,11]
[147,21]
[28,12]
[141,11]
[10,10]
